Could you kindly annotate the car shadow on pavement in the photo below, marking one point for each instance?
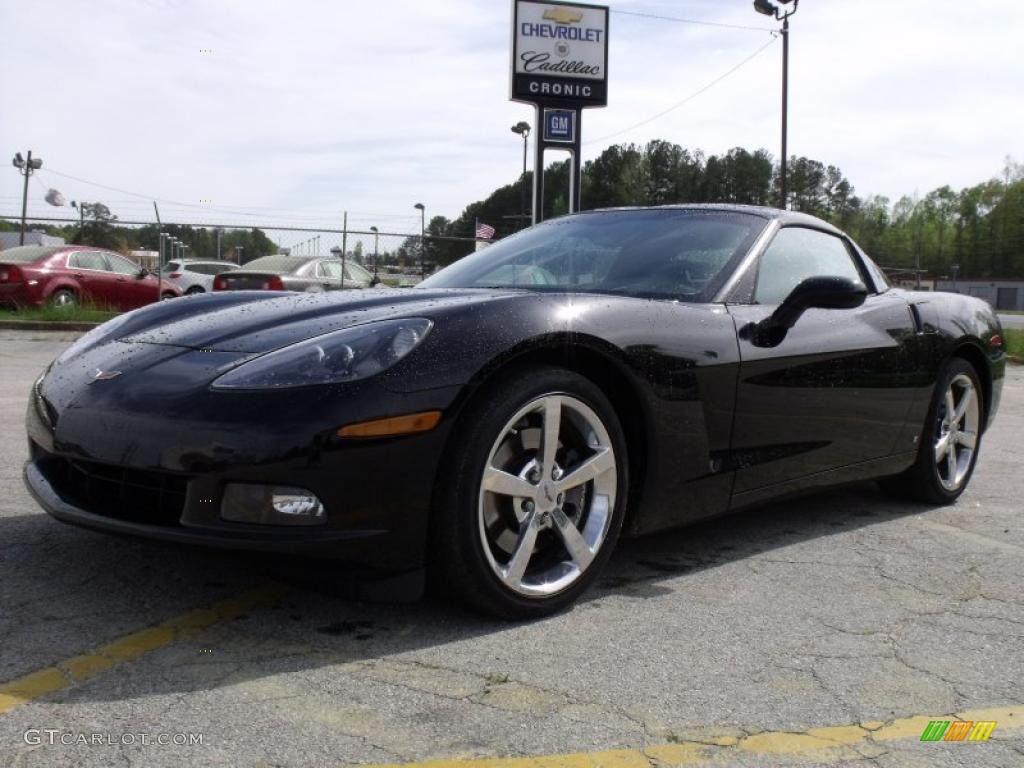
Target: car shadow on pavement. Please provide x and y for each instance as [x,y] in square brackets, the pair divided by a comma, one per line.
[314,625]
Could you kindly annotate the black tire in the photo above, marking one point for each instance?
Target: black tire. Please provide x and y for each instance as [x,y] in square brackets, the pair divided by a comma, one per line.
[923,481]
[194,290]
[459,567]
[63,298]
[167,295]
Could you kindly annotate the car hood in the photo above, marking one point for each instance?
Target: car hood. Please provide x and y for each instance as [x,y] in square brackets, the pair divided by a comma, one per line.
[264,323]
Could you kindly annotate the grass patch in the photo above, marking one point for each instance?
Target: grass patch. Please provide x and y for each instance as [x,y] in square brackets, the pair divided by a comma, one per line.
[1014,341]
[78,314]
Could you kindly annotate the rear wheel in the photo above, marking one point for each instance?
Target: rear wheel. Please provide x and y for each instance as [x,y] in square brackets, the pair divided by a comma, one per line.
[950,439]
[63,298]
[533,500]
[167,295]
[194,290]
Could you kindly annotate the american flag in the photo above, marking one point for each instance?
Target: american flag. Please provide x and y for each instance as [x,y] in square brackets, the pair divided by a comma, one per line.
[484,231]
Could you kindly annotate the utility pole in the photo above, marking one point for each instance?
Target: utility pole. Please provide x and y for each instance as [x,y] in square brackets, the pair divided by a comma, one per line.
[768,8]
[26,167]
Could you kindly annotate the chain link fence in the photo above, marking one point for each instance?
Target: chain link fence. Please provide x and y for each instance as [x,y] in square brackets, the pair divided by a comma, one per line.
[402,255]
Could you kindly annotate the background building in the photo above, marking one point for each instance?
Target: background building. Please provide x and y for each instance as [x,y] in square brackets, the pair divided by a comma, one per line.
[10,239]
[1001,294]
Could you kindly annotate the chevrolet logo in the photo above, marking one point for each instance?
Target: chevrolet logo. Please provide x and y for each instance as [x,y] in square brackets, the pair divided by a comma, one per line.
[104,375]
[563,16]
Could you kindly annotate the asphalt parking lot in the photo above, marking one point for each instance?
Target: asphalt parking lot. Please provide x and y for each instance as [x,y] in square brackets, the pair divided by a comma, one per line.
[826,631]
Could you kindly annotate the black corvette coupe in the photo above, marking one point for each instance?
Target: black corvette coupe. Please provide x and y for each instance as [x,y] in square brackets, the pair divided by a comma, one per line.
[497,427]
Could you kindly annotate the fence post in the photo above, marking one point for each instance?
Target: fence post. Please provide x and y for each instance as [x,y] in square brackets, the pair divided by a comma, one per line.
[344,247]
[159,251]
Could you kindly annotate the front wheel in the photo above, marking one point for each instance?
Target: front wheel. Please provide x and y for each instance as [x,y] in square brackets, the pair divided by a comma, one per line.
[534,495]
[950,439]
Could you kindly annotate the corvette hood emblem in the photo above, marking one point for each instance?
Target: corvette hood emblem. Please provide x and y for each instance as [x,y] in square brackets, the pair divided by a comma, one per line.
[104,375]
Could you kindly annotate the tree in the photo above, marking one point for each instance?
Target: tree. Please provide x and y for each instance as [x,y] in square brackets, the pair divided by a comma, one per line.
[98,227]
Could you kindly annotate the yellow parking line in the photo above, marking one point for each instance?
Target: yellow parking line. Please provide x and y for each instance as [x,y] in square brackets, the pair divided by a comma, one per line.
[716,748]
[87,665]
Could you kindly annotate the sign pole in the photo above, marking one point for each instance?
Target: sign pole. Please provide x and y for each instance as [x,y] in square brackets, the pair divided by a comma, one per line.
[560,66]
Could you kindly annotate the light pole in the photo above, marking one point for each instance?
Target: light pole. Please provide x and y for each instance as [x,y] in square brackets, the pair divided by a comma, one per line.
[770,9]
[423,239]
[26,167]
[376,238]
[220,233]
[523,129]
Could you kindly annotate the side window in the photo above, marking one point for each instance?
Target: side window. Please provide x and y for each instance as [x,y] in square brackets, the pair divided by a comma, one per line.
[330,269]
[122,266]
[88,260]
[796,254]
[170,266]
[357,274]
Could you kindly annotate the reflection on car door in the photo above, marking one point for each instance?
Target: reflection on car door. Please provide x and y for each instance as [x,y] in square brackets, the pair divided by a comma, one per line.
[836,390]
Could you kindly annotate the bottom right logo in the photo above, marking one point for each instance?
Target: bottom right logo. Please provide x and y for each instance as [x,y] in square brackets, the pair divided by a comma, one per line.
[958,730]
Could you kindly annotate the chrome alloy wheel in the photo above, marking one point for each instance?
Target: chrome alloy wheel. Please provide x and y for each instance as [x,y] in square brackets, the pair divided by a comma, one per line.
[956,432]
[547,495]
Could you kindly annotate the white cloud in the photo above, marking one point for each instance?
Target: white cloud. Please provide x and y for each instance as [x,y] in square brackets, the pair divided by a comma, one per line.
[307,106]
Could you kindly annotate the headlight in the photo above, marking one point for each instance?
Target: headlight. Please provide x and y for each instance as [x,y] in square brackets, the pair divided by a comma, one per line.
[337,357]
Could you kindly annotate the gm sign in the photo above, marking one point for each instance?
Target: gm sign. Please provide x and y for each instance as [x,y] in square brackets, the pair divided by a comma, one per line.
[559,54]
[560,126]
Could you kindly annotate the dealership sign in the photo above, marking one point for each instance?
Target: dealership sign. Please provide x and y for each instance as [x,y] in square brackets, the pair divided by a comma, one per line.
[559,54]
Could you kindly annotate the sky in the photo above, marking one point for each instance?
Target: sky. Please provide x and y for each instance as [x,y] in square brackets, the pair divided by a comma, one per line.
[293,112]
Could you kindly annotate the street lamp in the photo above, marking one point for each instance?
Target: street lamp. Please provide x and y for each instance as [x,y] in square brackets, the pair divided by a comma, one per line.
[26,167]
[523,129]
[768,8]
[423,239]
[376,238]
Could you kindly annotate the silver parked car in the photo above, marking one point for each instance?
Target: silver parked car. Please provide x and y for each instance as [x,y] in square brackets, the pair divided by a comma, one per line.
[281,272]
[195,276]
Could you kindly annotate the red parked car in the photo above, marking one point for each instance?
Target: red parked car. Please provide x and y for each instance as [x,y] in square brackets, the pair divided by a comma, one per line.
[66,275]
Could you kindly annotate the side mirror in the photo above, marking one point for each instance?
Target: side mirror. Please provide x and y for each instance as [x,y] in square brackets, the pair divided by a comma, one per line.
[819,293]
[142,274]
[812,293]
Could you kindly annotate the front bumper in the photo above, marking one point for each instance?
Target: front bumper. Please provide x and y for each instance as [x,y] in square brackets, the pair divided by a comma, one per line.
[125,471]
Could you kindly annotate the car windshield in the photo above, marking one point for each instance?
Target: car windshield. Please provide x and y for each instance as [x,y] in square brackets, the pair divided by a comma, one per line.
[27,254]
[658,253]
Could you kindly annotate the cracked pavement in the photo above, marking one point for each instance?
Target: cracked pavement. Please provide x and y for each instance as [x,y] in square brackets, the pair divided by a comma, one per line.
[724,642]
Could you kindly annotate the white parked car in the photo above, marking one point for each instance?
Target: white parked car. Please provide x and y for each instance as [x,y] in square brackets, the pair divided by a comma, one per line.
[195,276]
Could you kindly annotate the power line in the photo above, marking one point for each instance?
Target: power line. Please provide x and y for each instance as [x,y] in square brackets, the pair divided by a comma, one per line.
[236,211]
[688,99]
[678,20]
